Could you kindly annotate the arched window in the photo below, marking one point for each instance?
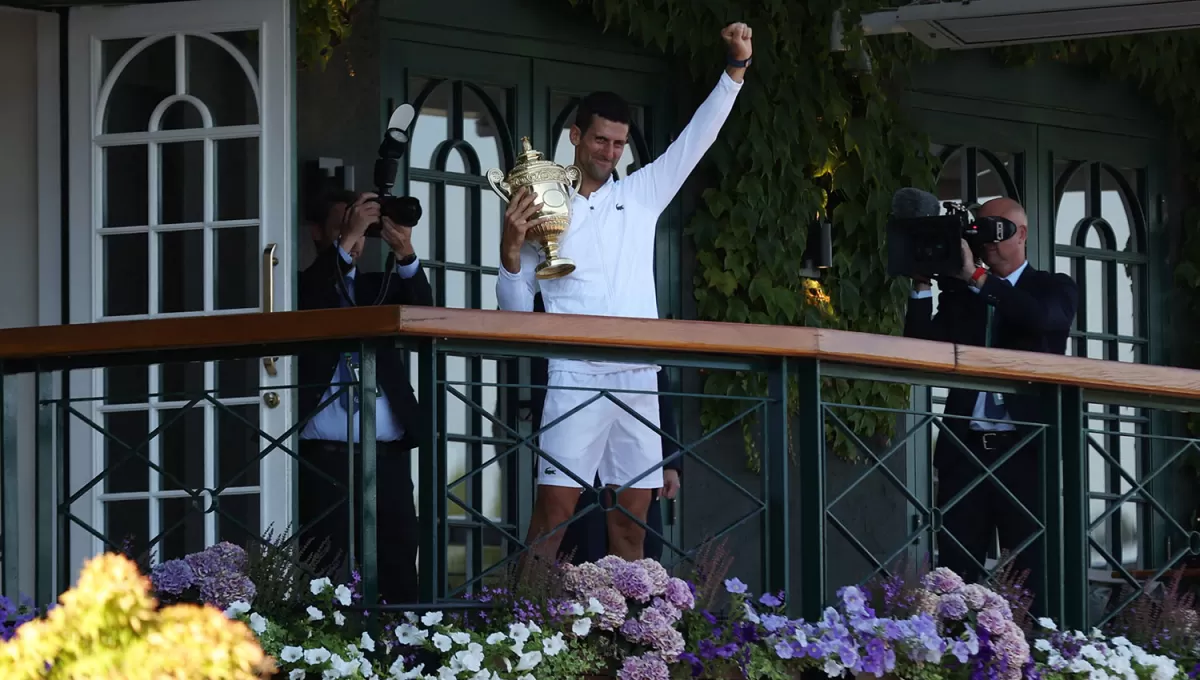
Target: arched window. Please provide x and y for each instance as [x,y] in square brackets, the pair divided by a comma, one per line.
[1100,240]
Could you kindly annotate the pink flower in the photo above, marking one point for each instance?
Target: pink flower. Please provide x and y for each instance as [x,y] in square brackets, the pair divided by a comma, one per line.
[679,594]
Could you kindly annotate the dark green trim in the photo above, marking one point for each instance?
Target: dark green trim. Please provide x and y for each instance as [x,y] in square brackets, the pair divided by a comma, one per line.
[512,27]
[10,485]
[812,518]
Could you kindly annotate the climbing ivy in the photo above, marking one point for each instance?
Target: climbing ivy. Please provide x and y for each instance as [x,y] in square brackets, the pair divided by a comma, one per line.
[322,26]
[814,136]
[811,136]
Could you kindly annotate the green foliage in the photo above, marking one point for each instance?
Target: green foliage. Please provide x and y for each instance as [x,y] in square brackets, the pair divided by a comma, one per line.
[810,136]
[322,26]
[813,136]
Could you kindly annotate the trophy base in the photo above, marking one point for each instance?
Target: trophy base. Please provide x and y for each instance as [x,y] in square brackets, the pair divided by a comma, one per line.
[554,268]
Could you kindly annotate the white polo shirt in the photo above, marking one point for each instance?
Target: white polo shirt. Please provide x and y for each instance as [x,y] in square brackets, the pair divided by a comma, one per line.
[611,237]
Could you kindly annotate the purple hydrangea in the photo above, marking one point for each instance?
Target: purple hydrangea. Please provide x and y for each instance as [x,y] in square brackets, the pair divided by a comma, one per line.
[942,581]
[232,556]
[657,574]
[992,620]
[223,590]
[173,577]
[646,667]
[952,607]
[632,581]
[679,593]
[615,608]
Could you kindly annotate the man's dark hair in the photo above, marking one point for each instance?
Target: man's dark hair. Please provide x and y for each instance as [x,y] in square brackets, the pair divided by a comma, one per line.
[317,206]
[607,105]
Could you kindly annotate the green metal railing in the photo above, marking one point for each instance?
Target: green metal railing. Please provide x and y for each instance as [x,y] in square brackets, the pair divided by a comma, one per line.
[809,512]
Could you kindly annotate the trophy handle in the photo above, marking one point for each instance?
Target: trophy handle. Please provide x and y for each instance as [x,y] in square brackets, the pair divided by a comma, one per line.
[495,178]
[574,176]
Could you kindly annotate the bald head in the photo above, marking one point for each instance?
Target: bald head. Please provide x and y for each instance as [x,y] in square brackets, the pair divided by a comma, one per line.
[1007,256]
[1006,208]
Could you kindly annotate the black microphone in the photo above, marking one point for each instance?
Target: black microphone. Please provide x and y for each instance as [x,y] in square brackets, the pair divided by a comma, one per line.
[921,242]
[908,203]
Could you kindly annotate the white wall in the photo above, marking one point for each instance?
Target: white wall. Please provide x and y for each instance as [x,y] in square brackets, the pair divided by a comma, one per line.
[22,208]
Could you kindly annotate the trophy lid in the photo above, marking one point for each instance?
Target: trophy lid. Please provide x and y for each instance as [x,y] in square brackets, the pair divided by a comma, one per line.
[529,155]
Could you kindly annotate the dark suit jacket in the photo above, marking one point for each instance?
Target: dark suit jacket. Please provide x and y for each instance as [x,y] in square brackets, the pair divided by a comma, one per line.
[1036,315]
[319,290]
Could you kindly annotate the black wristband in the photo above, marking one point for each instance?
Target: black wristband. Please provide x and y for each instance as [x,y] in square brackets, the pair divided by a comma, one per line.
[738,63]
[412,257]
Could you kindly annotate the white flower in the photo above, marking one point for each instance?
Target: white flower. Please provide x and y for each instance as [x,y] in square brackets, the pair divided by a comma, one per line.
[1080,666]
[398,673]
[518,632]
[339,618]
[316,656]
[529,661]
[553,645]
[527,676]
[290,654]
[342,595]
[432,618]
[411,617]
[534,628]
[1043,645]
[364,669]
[409,635]
[342,667]
[442,642]
[257,623]
[460,638]
[447,673]
[750,613]
[237,609]
[496,638]
[315,614]
[318,585]
[594,606]
[296,674]
[366,642]
[1048,624]
[576,609]
[471,658]
[581,627]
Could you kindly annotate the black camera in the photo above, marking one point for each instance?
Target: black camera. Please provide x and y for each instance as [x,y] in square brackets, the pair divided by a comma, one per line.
[925,244]
[405,211]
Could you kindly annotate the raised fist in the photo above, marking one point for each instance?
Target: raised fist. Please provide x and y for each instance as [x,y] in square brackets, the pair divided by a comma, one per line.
[737,40]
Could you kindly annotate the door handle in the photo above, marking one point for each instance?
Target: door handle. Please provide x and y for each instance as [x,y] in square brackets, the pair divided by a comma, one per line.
[268,301]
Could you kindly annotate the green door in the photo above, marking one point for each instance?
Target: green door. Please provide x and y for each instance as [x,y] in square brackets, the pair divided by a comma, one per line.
[473,107]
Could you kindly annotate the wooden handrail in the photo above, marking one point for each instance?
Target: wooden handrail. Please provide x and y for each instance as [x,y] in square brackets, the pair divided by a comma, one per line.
[120,337]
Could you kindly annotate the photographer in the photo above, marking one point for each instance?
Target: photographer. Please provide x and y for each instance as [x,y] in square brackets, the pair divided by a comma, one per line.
[339,222]
[1008,305]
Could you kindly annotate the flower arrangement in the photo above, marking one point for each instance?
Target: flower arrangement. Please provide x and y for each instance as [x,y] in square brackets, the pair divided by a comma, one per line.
[638,607]
[1075,656]
[973,615]
[326,642]
[109,626]
[216,576]
[626,620]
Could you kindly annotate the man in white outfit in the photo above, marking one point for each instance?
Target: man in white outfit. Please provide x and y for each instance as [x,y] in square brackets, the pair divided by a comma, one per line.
[611,240]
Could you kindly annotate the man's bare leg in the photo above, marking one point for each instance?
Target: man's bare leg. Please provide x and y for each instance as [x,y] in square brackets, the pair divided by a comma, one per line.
[627,538]
[554,505]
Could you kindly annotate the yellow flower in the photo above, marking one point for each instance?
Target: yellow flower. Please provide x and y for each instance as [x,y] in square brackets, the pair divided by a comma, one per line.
[108,628]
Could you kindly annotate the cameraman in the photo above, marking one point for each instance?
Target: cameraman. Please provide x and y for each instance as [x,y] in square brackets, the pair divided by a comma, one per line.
[1008,305]
[339,221]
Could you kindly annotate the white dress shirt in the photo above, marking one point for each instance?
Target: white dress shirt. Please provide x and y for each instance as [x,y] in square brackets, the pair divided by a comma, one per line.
[978,411]
[330,423]
[611,237]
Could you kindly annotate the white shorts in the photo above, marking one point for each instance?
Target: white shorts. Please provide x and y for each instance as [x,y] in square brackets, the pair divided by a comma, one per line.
[602,437]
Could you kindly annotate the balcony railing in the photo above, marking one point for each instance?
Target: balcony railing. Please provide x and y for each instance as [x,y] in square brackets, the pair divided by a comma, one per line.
[115,451]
